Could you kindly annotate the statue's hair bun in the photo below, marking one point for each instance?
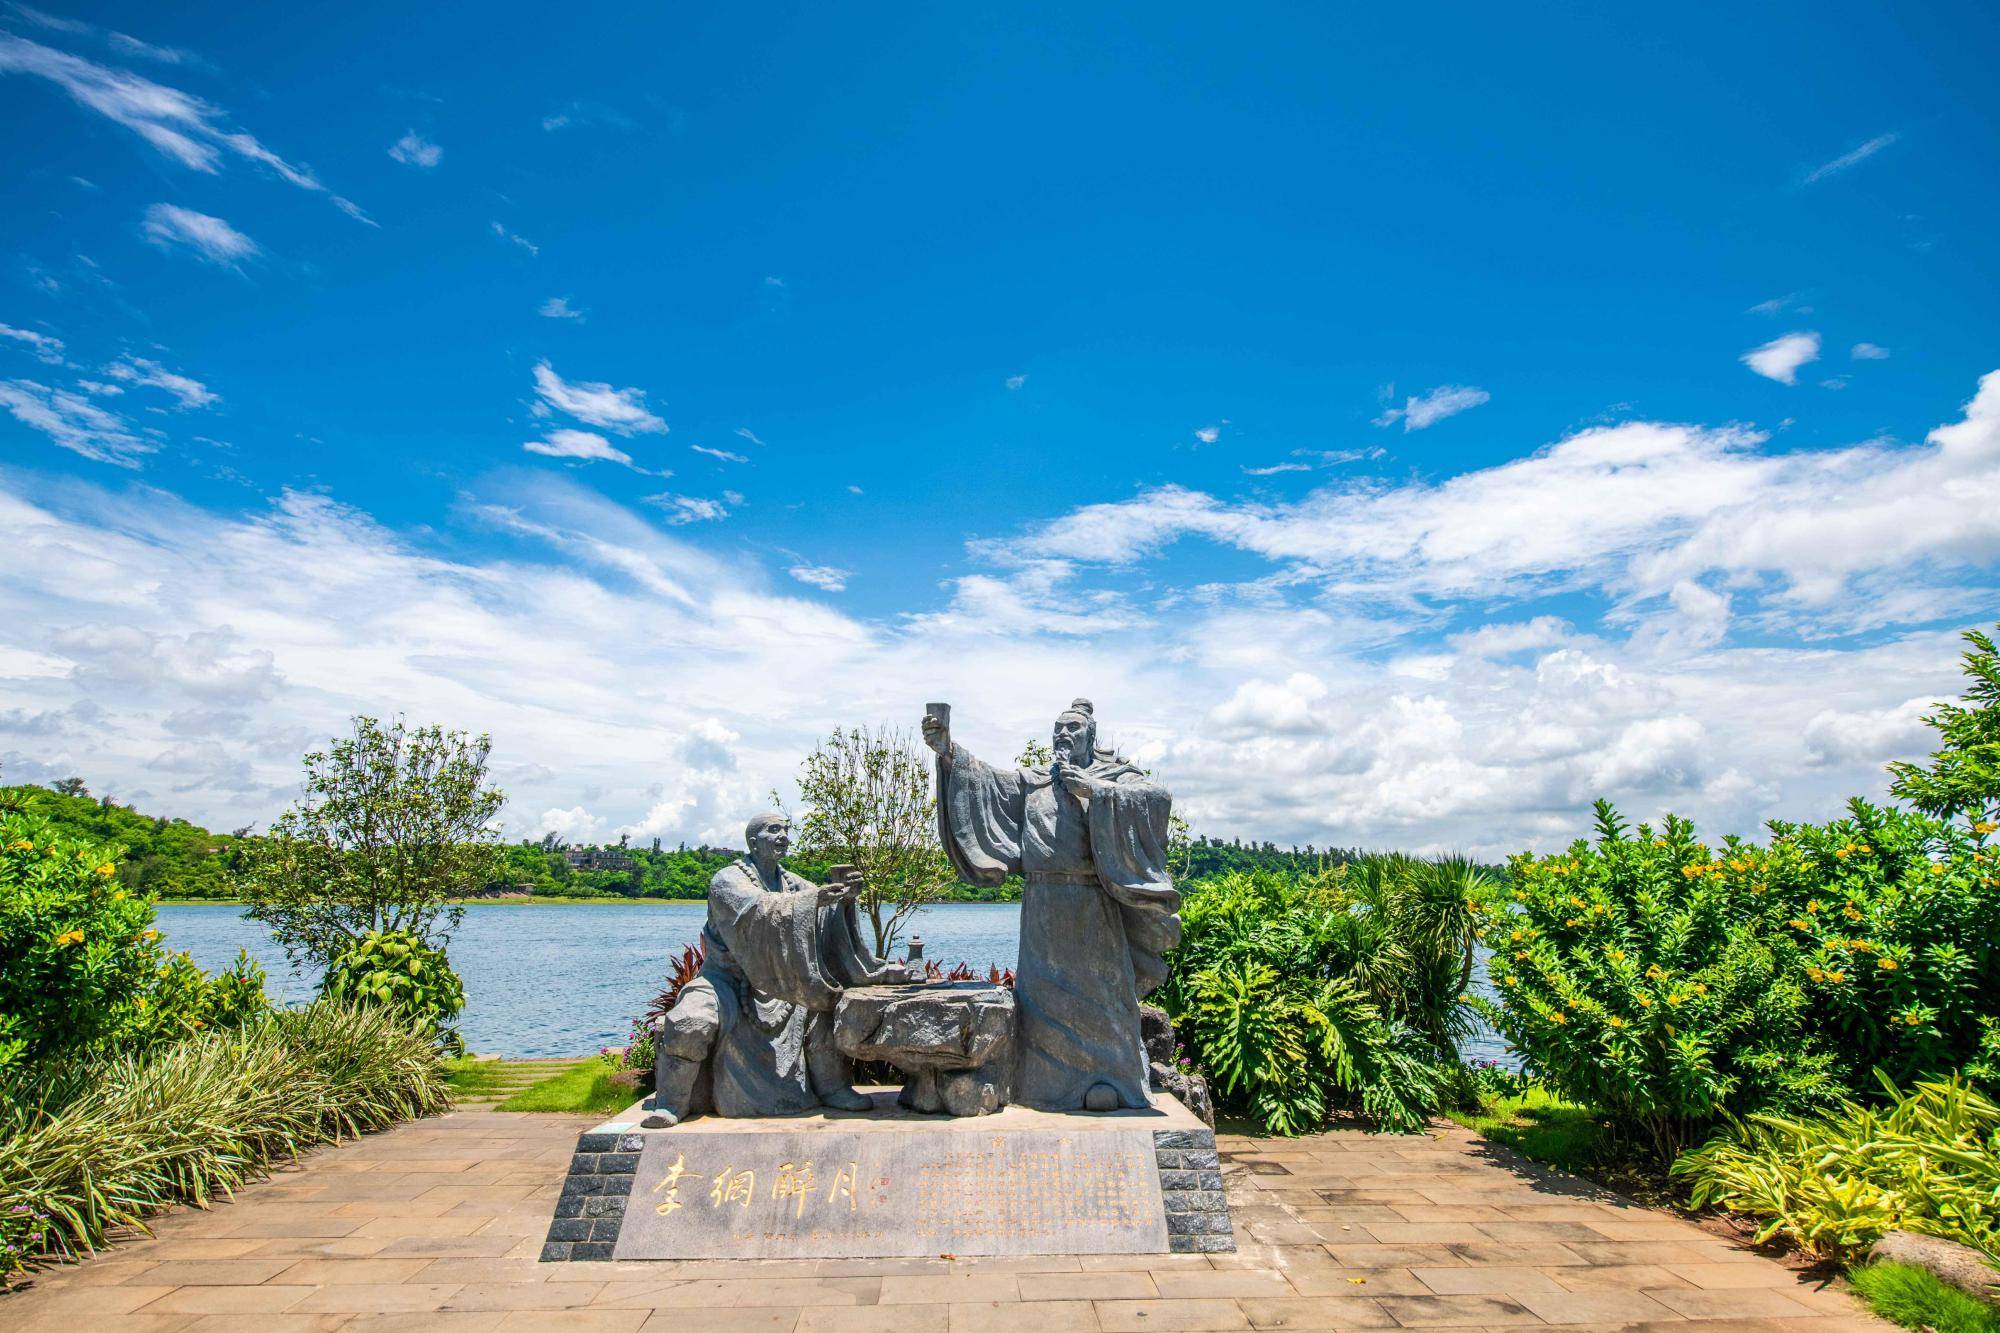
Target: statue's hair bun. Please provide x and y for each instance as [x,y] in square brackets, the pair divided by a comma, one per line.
[1081,706]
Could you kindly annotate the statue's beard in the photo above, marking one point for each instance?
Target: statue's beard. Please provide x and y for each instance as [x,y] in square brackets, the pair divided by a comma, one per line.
[1075,751]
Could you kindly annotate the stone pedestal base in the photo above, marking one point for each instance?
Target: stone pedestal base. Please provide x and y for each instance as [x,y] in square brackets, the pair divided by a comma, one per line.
[889,1183]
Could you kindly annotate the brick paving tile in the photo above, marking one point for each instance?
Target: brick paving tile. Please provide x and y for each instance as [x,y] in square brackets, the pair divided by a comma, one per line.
[1137,1316]
[437,1228]
[1005,1317]
[1305,1312]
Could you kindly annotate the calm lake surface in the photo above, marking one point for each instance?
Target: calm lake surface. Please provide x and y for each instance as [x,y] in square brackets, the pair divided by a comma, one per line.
[563,979]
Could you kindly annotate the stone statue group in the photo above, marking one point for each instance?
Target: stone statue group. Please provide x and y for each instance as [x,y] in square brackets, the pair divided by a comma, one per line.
[760,1031]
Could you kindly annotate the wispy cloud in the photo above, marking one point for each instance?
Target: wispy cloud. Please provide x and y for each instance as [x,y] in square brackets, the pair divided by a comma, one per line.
[120,42]
[824,577]
[137,370]
[1780,358]
[180,125]
[1275,468]
[579,114]
[1851,158]
[1016,381]
[558,307]
[744,432]
[1868,352]
[563,442]
[596,404]
[413,150]
[683,509]
[1208,434]
[75,423]
[1778,305]
[44,347]
[725,455]
[169,225]
[1422,411]
[515,238]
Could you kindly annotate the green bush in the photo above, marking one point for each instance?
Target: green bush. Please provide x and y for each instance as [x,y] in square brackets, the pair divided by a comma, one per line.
[1638,976]
[1300,994]
[397,970]
[103,1142]
[1928,1161]
[81,965]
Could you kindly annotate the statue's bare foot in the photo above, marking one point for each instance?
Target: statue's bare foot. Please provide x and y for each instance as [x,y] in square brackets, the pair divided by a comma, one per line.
[846,1099]
[660,1120]
[1101,1097]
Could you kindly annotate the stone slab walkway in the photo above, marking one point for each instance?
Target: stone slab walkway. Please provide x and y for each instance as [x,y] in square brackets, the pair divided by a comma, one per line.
[435,1226]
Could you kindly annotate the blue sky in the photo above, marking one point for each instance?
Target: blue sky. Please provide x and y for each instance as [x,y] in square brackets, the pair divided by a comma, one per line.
[1406,424]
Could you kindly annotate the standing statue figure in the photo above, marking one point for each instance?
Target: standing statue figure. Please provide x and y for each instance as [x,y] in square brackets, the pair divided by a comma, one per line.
[753,1034]
[1089,834]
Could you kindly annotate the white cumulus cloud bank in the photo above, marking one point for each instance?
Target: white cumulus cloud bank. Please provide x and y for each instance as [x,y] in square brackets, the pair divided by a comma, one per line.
[1394,676]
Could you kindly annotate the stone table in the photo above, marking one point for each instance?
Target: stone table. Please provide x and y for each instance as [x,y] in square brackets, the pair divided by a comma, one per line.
[953,1039]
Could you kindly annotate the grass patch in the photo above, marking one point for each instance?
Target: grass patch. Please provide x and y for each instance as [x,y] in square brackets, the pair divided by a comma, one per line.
[587,1089]
[1913,1298]
[1539,1125]
[472,1075]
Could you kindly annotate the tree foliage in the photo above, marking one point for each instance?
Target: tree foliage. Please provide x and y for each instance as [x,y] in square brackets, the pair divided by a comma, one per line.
[395,822]
[1963,776]
[870,804]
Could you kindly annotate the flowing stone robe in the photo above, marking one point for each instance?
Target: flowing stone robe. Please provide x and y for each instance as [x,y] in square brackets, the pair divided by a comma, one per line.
[1098,912]
[777,962]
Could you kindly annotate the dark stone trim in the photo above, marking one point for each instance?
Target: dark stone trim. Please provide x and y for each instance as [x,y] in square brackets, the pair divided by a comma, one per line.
[591,1208]
[1191,1192]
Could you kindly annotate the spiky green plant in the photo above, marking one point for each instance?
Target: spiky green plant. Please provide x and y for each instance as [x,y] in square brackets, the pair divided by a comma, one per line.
[1928,1161]
[103,1142]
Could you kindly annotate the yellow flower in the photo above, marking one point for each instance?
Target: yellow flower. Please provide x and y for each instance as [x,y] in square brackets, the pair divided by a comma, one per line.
[1836,977]
[1851,913]
[1675,999]
[1616,1021]
[1617,955]
[21,845]
[1799,923]
[1517,935]
[70,937]
[1937,868]
[117,895]
[196,1022]
[1520,954]
[1886,964]
[1645,1002]
[1654,973]
[1557,1019]
[1700,989]
[1812,908]
[1984,826]
[106,871]
[1912,1020]
[150,936]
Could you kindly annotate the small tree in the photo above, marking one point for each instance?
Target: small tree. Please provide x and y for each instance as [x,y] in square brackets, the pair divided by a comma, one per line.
[1963,777]
[869,800]
[394,823]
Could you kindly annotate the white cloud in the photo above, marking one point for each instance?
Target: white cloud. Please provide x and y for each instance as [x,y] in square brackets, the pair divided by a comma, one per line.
[45,348]
[575,824]
[516,239]
[682,509]
[137,370]
[75,423]
[565,443]
[1777,305]
[824,577]
[1868,352]
[413,150]
[1852,157]
[1208,434]
[1780,358]
[744,432]
[1016,381]
[1425,410]
[179,125]
[597,404]
[725,455]
[213,239]
[1275,468]
[558,307]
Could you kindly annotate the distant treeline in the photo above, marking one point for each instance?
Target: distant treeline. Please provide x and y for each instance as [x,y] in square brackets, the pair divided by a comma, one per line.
[171,858]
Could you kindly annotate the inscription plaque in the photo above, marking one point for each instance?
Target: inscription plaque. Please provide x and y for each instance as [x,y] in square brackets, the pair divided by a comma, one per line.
[826,1193]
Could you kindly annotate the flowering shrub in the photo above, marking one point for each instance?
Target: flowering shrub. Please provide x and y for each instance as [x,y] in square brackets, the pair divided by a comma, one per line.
[395,969]
[1668,984]
[82,968]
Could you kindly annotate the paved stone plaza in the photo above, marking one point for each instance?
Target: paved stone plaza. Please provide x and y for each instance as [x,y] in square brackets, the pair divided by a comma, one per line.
[436,1227]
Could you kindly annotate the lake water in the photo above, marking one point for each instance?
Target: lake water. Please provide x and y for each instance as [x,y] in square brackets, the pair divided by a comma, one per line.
[560,979]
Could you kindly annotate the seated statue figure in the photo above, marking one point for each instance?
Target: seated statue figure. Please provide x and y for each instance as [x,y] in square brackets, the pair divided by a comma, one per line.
[752,1035]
